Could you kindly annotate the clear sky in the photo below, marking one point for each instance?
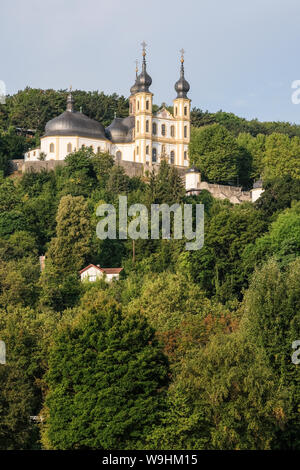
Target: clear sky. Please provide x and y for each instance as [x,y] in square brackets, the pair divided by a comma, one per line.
[241,55]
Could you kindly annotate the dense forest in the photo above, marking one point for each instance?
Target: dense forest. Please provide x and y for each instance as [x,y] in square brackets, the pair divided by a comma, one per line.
[189,349]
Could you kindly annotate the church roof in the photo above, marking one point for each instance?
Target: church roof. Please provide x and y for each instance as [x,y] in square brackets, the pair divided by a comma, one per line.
[121,129]
[72,122]
[75,123]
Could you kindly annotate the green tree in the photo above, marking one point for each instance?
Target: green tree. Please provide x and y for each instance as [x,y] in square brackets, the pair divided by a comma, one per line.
[223,397]
[282,241]
[165,186]
[282,156]
[215,152]
[106,377]
[18,245]
[256,147]
[18,282]
[78,177]
[68,251]
[102,163]
[272,320]
[217,267]
[278,194]
[118,181]
[25,334]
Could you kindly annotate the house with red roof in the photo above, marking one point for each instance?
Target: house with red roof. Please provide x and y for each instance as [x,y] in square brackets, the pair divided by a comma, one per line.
[92,273]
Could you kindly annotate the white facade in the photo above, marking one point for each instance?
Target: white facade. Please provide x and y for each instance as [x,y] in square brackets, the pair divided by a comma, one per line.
[256,193]
[192,180]
[58,147]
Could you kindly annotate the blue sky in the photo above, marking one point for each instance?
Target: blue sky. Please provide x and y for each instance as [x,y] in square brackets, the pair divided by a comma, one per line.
[241,56]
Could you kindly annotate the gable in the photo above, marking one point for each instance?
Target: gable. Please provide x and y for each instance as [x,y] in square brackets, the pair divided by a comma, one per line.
[163,113]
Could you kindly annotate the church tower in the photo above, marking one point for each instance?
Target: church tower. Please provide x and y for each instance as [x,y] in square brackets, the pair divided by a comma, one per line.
[181,112]
[143,114]
[133,91]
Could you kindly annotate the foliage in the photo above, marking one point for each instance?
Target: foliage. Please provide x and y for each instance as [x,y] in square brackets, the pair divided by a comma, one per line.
[106,377]
[69,249]
[272,319]
[189,349]
[216,153]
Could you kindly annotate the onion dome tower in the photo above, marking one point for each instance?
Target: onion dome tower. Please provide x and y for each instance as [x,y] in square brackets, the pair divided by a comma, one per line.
[181,107]
[133,91]
[70,101]
[182,86]
[143,114]
[143,80]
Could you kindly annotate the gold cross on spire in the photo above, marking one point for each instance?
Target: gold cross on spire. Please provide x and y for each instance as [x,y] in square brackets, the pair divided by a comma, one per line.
[182,51]
[144,45]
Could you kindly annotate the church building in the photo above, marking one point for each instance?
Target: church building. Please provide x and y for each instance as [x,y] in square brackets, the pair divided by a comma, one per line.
[143,137]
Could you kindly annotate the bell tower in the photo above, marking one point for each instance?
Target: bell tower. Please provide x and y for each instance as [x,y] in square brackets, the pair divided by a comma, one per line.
[143,114]
[133,91]
[181,111]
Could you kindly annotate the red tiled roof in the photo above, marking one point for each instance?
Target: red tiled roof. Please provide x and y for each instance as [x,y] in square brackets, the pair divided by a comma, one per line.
[90,266]
[112,270]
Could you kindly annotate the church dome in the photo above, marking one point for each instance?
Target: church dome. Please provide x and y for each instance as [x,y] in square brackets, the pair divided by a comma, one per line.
[143,80]
[74,123]
[119,129]
[134,88]
[182,86]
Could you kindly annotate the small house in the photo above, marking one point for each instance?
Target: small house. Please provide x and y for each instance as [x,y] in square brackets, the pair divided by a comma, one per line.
[92,273]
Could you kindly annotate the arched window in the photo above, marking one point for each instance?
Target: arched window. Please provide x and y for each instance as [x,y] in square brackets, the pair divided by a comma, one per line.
[119,155]
[185,110]
[185,155]
[163,129]
[130,108]
[51,148]
[172,131]
[138,104]
[154,128]
[98,149]
[137,126]
[137,150]
[69,147]
[172,157]
[154,153]
[185,131]
[147,126]
[147,149]
[175,110]
[147,104]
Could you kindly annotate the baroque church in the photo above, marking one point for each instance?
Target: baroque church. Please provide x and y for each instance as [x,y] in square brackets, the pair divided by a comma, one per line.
[142,137]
